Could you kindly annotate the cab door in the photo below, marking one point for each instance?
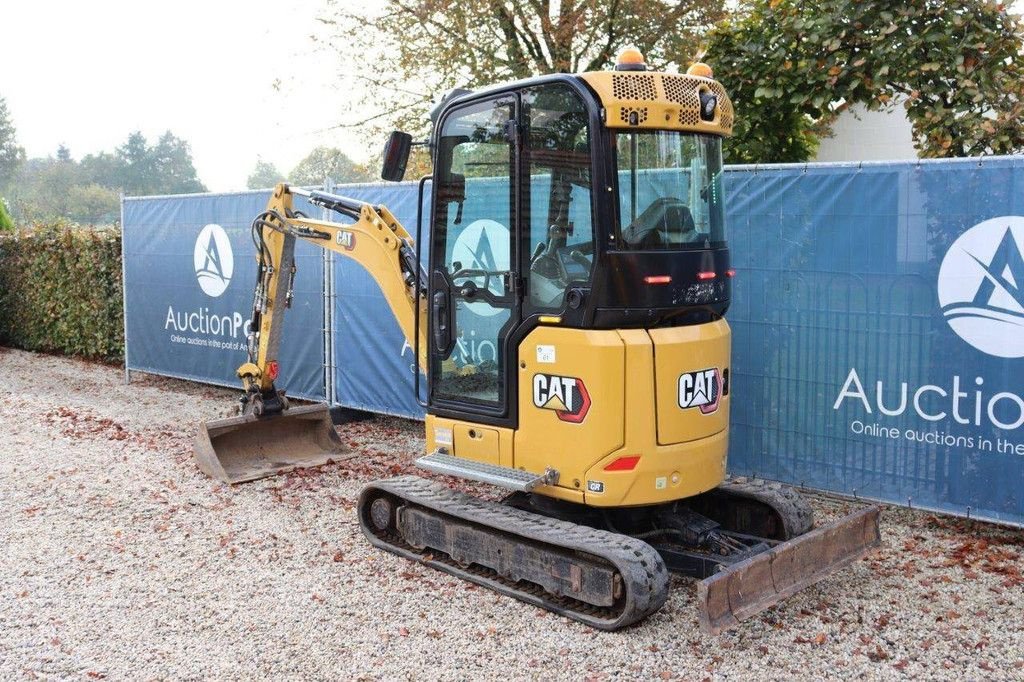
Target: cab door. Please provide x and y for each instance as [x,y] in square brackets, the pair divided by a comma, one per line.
[473,298]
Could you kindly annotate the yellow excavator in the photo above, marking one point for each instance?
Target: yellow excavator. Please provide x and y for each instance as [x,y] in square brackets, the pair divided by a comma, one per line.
[568,312]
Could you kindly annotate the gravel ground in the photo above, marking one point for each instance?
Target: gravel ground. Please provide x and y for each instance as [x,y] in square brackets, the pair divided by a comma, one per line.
[121,560]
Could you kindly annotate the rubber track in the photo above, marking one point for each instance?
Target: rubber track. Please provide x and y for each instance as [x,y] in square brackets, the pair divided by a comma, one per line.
[644,576]
[792,507]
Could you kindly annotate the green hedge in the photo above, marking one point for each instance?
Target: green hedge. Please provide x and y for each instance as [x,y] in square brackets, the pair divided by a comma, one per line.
[6,223]
[60,291]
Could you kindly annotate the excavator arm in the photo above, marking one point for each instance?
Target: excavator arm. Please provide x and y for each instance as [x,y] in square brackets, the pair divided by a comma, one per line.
[269,437]
[376,240]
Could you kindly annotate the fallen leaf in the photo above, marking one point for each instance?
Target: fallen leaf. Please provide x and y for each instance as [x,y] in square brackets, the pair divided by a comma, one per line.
[879,654]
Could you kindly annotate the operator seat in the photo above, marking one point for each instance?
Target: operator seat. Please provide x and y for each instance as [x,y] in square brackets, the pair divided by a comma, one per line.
[666,222]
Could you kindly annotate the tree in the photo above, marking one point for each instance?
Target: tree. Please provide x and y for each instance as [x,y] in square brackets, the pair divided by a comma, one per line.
[791,67]
[328,162]
[135,165]
[93,204]
[165,168]
[87,192]
[173,170]
[264,174]
[40,191]
[11,155]
[102,169]
[429,46]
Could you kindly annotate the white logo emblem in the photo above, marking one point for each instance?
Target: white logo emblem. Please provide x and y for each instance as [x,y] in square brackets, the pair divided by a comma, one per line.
[699,389]
[213,260]
[981,287]
[483,245]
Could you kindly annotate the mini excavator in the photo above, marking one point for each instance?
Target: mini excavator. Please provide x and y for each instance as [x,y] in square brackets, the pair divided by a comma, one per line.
[570,324]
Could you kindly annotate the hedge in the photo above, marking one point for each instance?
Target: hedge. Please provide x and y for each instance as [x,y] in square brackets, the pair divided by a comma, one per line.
[60,291]
[6,223]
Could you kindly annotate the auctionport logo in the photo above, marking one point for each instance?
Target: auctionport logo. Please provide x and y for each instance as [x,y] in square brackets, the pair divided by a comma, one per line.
[213,260]
[483,245]
[981,286]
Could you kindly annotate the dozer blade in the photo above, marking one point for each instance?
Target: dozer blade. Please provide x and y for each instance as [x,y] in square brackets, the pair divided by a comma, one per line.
[751,586]
[239,449]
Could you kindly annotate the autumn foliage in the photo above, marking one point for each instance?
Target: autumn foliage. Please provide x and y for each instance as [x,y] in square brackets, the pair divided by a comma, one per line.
[791,67]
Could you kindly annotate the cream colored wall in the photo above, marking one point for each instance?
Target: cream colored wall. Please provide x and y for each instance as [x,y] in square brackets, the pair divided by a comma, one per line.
[862,135]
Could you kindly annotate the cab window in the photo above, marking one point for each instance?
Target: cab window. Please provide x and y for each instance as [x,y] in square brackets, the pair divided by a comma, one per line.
[558,217]
[670,190]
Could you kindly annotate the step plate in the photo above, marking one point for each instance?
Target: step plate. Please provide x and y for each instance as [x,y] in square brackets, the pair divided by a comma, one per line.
[504,477]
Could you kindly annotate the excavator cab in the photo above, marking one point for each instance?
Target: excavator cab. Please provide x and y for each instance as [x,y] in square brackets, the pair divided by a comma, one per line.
[578,224]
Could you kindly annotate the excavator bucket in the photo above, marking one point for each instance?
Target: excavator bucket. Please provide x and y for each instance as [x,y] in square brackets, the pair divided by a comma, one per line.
[239,449]
[749,587]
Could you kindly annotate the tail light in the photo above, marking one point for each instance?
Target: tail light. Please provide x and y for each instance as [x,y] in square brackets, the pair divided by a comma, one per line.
[623,463]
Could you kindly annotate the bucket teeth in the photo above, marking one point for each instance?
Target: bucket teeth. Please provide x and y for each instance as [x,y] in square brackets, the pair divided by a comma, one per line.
[751,586]
[245,448]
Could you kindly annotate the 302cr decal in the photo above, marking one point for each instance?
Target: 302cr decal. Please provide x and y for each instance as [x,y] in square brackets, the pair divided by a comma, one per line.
[701,389]
[567,396]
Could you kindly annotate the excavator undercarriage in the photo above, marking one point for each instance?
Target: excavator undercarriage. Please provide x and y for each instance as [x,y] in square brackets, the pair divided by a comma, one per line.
[609,568]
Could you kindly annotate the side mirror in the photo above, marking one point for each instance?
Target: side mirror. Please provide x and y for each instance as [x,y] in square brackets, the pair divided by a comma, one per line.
[396,156]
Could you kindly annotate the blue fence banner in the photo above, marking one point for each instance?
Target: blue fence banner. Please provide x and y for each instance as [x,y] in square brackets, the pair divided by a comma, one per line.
[878,323]
[189,272]
[373,366]
[877,315]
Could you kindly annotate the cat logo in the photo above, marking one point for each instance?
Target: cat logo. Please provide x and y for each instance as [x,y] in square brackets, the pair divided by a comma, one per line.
[346,239]
[700,389]
[567,396]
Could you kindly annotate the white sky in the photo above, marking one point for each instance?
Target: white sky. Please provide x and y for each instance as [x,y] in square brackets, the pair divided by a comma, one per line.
[86,74]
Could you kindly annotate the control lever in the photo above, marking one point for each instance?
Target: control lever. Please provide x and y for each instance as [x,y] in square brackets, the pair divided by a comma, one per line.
[578,257]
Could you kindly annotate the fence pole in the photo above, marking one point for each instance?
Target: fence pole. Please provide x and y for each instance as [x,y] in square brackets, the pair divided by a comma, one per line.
[124,295]
[330,391]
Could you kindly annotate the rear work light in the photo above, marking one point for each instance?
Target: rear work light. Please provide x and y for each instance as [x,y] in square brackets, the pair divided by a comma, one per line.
[658,279]
[623,463]
[704,276]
